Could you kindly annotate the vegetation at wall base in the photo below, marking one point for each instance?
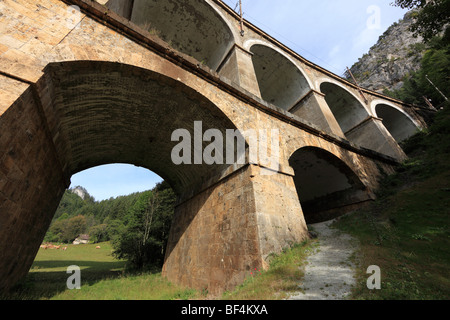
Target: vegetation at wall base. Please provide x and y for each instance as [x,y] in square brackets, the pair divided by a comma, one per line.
[406,232]
[282,279]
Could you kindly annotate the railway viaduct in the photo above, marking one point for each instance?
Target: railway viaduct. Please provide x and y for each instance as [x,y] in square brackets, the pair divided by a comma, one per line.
[85,83]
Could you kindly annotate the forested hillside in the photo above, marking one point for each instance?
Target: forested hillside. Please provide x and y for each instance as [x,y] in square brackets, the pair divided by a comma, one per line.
[137,224]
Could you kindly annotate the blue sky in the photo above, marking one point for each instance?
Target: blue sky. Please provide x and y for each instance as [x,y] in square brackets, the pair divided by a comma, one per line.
[331,33]
[115,180]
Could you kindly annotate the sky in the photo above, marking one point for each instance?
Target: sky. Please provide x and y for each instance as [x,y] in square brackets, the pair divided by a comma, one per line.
[330,33]
[333,34]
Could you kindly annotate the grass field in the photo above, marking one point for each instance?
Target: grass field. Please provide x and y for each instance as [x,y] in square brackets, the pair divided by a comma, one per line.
[104,278]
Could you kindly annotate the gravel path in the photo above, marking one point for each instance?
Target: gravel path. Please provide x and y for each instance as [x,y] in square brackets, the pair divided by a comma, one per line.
[329,274]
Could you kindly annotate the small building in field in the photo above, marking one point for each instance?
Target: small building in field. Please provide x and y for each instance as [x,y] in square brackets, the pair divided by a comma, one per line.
[82,239]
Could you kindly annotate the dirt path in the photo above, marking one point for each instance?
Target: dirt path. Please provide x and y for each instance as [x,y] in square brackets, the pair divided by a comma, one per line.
[329,274]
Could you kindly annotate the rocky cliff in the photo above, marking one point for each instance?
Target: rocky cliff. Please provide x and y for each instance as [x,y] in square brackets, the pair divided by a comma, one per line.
[80,191]
[396,54]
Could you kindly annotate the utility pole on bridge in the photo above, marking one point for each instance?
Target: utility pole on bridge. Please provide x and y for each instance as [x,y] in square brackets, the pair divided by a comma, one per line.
[242,18]
[357,86]
[241,21]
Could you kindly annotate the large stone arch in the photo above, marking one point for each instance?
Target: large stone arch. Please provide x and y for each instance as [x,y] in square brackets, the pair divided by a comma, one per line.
[400,125]
[281,82]
[111,112]
[347,109]
[326,186]
[228,220]
[356,122]
[86,113]
[192,27]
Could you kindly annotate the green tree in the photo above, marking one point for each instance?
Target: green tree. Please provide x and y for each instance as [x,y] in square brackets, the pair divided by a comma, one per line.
[435,67]
[143,240]
[75,226]
[99,233]
[115,227]
[432,17]
[66,230]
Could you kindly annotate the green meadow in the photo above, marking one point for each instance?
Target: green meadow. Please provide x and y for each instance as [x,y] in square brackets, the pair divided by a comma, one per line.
[102,278]
[105,278]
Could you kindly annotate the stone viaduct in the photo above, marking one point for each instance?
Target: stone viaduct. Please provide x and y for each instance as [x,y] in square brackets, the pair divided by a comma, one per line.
[85,83]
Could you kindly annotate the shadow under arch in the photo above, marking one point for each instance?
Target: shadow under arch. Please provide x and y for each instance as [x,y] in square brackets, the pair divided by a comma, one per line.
[326,186]
[115,113]
[400,126]
[82,114]
[357,123]
[348,111]
[281,82]
[193,27]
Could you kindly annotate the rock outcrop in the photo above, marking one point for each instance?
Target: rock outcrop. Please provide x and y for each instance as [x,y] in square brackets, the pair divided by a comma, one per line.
[396,54]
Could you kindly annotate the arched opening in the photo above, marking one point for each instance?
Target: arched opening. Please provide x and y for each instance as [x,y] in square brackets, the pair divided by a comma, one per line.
[396,122]
[120,206]
[347,110]
[83,114]
[326,186]
[192,27]
[115,113]
[280,81]
[358,126]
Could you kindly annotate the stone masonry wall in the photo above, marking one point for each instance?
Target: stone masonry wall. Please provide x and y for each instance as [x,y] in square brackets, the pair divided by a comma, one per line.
[31,186]
[214,243]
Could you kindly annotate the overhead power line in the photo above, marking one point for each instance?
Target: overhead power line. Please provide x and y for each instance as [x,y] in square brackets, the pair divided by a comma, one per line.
[296,46]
